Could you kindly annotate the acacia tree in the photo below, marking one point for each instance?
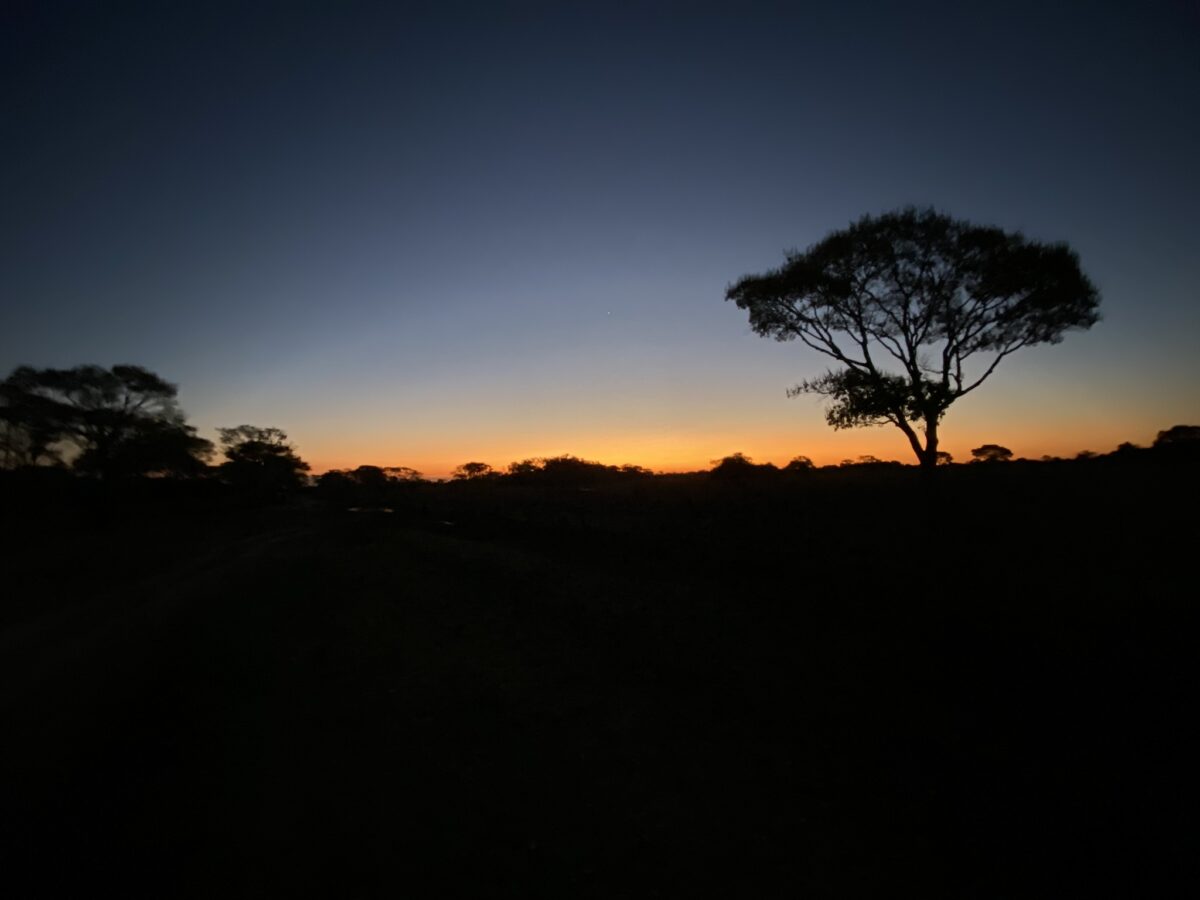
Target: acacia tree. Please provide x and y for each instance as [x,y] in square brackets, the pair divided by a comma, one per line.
[919,309]
[31,425]
[260,460]
[119,421]
[991,453]
[471,471]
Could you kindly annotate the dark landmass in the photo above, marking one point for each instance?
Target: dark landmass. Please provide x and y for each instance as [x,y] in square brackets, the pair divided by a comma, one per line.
[846,682]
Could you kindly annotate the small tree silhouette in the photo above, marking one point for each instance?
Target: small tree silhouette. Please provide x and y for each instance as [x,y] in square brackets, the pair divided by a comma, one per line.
[991,453]
[260,460]
[799,464]
[739,465]
[472,470]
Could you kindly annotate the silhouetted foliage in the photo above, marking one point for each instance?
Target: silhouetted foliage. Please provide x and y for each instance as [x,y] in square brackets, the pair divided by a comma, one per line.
[401,474]
[260,460]
[119,421]
[902,301]
[991,453]
[1179,443]
[568,470]
[30,424]
[156,449]
[571,468]
[525,468]
[373,477]
[1128,453]
[739,466]
[472,470]
[799,464]
[944,458]
[868,460]
[367,486]
[1178,434]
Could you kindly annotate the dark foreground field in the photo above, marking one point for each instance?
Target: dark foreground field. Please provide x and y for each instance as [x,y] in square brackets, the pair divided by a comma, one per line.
[841,685]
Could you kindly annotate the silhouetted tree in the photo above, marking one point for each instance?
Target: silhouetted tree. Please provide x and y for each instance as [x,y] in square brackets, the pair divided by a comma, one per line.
[401,474]
[865,460]
[740,466]
[1129,453]
[1179,442]
[376,477]
[260,460]
[30,424]
[903,301]
[369,486]
[944,458]
[121,421]
[571,471]
[799,464]
[472,470]
[156,449]
[370,477]
[1178,434]
[525,468]
[568,470]
[336,485]
[991,453]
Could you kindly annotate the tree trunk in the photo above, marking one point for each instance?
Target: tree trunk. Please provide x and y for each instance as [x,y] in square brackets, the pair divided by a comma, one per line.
[929,454]
[913,440]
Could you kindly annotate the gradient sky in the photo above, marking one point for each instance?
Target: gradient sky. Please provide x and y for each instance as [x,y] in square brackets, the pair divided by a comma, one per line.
[425,234]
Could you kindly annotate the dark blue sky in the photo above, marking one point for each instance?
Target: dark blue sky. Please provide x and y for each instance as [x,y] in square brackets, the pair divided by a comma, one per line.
[423,234]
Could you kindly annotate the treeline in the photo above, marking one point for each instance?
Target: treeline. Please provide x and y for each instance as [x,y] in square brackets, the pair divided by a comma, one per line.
[125,423]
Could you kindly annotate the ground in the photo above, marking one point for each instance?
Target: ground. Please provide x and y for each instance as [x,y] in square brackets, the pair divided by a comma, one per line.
[835,685]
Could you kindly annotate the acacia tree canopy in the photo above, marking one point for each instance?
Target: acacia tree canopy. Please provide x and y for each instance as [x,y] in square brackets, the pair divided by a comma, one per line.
[918,309]
[991,453]
[260,459]
[122,421]
[472,470]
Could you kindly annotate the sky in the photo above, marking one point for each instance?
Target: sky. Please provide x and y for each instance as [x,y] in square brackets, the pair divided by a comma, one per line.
[422,234]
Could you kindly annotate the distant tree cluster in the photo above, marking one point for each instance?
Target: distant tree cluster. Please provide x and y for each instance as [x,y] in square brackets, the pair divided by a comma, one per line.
[738,466]
[570,470]
[868,460]
[367,486]
[125,422]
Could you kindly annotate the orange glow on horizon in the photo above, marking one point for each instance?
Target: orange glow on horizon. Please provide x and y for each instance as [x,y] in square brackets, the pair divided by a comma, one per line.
[668,453]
